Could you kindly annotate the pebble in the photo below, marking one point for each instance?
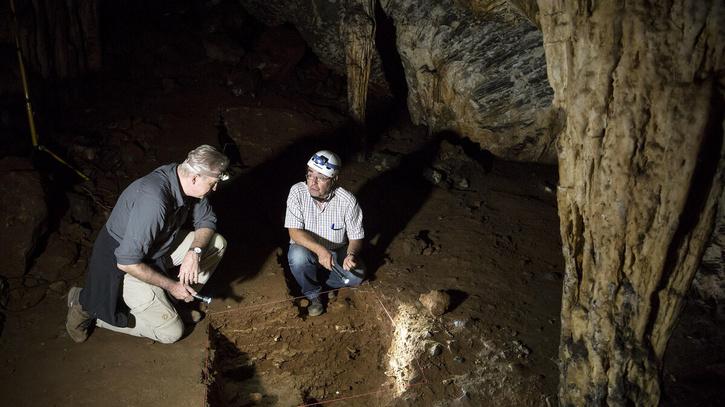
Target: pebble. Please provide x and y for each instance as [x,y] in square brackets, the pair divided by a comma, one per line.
[436,349]
[256,397]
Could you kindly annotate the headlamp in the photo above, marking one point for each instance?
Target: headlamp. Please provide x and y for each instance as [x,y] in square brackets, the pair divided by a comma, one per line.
[220,176]
[324,161]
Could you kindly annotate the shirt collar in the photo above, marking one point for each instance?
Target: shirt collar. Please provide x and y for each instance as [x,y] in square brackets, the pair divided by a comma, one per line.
[329,196]
[176,186]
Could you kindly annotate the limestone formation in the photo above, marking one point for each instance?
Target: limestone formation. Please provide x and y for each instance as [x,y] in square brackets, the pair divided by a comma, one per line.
[482,76]
[709,281]
[359,36]
[476,68]
[640,173]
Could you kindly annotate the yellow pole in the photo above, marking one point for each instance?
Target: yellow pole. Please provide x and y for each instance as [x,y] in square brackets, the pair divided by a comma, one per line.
[28,105]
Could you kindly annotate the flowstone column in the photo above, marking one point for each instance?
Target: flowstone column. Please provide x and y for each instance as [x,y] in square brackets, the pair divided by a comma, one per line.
[640,171]
[358,30]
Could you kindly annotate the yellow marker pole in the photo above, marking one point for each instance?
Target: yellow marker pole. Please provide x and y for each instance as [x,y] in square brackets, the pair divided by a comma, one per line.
[28,105]
[62,161]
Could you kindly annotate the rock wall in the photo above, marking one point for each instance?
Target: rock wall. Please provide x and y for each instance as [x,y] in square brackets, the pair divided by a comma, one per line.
[24,213]
[60,40]
[476,68]
[320,24]
[709,281]
[483,76]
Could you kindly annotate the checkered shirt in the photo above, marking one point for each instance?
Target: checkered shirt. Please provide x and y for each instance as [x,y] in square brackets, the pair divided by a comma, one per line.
[340,219]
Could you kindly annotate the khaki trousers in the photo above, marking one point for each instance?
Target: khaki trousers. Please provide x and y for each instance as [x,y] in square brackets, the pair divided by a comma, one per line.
[156,317]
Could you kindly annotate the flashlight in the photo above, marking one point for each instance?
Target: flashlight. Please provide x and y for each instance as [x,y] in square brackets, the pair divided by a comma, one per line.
[202,298]
[340,274]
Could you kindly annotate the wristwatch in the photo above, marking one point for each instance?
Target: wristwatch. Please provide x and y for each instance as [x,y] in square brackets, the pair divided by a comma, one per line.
[196,250]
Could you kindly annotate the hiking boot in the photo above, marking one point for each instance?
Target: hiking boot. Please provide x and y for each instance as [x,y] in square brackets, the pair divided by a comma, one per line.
[315,308]
[332,295]
[77,322]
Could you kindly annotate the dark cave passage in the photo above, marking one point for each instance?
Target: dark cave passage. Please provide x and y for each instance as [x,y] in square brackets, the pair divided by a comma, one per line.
[444,211]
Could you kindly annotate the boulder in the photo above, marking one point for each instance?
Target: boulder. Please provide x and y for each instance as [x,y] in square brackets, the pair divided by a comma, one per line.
[24,214]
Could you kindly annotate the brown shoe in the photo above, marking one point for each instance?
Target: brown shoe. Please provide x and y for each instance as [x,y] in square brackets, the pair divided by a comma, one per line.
[78,321]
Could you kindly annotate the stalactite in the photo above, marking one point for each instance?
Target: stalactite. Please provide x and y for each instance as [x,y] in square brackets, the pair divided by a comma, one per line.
[359,36]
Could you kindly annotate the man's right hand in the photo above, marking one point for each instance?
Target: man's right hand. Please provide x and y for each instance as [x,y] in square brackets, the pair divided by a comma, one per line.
[181,291]
[147,274]
[325,259]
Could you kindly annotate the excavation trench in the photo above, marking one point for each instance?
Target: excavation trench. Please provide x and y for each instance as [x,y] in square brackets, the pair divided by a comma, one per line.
[274,354]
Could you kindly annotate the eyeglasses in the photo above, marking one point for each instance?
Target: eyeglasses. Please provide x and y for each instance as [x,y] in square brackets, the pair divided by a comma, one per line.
[323,160]
[319,179]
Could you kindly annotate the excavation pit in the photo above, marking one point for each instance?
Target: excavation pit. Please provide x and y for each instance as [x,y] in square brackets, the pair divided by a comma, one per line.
[276,355]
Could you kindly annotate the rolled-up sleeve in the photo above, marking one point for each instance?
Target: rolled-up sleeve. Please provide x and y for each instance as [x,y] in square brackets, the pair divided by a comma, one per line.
[203,215]
[354,222]
[146,219]
[293,218]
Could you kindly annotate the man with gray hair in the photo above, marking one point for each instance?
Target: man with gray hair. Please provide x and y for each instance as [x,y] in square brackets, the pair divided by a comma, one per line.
[127,283]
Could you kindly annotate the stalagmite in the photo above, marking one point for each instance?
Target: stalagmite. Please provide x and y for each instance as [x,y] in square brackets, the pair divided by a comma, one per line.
[640,168]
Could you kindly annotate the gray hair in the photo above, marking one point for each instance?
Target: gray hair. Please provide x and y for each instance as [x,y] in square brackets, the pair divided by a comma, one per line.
[205,160]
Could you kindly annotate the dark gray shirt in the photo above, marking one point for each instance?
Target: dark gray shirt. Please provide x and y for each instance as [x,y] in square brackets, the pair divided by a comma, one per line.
[149,214]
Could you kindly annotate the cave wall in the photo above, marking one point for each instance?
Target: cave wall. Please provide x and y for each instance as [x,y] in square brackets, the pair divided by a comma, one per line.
[709,283]
[59,40]
[320,24]
[477,68]
[483,76]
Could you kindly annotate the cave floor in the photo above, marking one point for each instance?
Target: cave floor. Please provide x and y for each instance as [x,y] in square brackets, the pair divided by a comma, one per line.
[487,233]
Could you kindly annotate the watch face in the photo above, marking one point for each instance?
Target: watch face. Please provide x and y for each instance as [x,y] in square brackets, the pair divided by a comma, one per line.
[197,250]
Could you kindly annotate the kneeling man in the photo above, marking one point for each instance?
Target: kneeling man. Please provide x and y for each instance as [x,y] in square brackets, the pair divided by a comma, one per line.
[127,283]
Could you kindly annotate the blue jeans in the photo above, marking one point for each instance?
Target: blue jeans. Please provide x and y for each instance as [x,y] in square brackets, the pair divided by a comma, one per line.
[309,273]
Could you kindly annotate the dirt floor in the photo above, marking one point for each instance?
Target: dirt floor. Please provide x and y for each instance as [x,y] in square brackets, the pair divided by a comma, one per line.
[440,214]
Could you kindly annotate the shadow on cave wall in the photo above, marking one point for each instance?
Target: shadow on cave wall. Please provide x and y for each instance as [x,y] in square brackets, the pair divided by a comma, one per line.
[252,207]
[392,199]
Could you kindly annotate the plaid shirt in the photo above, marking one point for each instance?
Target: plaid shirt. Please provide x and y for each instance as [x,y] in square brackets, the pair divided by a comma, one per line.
[339,219]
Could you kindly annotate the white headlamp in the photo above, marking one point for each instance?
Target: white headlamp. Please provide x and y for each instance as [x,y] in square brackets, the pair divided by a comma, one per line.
[221,176]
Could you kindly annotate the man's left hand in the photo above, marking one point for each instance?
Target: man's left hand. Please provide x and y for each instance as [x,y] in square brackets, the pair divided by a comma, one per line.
[189,270]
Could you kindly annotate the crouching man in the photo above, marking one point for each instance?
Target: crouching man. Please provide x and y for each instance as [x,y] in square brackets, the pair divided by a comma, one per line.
[326,231]
[127,287]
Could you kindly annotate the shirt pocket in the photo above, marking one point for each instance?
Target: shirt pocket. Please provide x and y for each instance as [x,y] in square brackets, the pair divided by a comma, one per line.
[336,232]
